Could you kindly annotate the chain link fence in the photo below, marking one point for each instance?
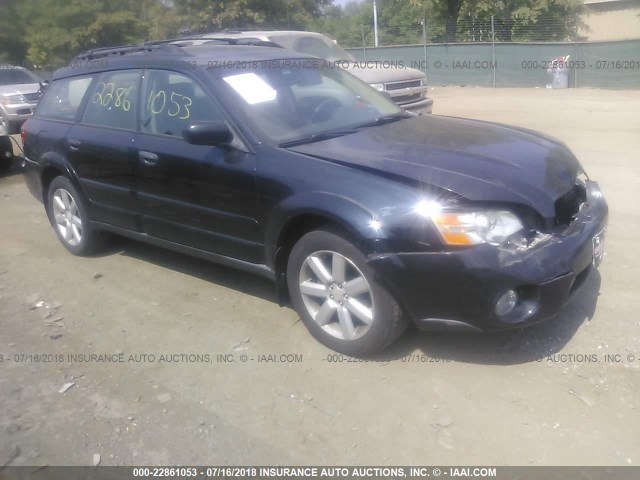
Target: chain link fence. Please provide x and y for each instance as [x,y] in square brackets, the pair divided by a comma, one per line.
[470,30]
[498,52]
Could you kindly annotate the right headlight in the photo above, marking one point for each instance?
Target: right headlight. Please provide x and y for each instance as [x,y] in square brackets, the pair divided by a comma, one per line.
[13,100]
[476,227]
[378,86]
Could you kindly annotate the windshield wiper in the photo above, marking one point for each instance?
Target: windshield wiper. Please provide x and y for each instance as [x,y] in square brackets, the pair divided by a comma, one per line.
[394,117]
[317,137]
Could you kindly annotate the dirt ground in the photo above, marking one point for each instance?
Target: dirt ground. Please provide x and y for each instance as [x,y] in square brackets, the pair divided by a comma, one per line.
[562,393]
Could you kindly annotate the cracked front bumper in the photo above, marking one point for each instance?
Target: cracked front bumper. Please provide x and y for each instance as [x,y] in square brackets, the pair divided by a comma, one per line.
[459,289]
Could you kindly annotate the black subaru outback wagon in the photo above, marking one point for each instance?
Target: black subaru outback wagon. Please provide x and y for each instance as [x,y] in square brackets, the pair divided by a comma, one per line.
[365,216]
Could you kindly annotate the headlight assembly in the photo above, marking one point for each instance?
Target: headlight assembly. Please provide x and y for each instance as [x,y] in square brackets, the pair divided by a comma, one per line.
[13,99]
[476,227]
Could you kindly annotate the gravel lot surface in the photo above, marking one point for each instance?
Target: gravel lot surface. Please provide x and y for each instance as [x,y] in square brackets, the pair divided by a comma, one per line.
[562,393]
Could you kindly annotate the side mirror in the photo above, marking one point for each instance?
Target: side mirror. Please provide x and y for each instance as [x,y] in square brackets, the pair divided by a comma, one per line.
[207,133]
[44,84]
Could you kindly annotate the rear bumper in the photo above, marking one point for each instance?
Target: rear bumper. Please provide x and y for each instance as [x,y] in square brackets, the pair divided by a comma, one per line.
[459,289]
[32,173]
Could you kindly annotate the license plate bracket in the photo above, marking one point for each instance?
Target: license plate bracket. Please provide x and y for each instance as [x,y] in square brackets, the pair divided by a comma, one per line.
[598,247]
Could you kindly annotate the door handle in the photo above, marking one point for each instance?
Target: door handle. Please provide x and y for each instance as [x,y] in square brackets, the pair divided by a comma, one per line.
[148,158]
[74,144]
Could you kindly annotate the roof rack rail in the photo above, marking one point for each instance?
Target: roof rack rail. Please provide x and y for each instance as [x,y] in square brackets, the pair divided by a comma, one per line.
[255,42]
[126,49]
[170,45]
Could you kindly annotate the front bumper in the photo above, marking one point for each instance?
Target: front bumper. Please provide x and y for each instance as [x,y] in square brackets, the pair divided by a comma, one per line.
[19,113]
[423,106]
[459,289]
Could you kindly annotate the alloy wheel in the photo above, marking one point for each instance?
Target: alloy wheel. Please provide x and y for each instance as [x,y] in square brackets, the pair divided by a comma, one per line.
[67,217]
[337,295]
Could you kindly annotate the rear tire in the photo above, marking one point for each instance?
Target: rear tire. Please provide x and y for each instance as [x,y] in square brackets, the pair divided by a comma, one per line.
[334,291]
[70,220]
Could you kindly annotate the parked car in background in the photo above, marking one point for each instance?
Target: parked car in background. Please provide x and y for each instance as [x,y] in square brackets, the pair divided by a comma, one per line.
[19,95]
[406,86]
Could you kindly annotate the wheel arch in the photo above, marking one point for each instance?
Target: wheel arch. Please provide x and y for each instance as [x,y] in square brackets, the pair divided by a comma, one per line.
[299,216]
[55,165]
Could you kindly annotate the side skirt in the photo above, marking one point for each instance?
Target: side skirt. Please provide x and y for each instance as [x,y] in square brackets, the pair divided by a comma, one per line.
[254,268]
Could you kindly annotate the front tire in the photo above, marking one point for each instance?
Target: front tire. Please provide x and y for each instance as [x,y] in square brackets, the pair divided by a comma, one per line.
[69,217]
[334,291]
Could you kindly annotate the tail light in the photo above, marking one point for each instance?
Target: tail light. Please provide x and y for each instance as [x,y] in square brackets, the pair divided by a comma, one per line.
[23,132]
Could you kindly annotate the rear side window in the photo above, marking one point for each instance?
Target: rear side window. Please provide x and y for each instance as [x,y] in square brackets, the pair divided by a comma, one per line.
[63,98]
[113,100]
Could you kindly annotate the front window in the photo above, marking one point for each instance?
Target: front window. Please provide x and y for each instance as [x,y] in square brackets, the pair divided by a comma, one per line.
[172,102]
[17,76]
[294,99]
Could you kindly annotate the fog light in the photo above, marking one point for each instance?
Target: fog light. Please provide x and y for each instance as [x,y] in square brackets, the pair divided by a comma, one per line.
[506,303]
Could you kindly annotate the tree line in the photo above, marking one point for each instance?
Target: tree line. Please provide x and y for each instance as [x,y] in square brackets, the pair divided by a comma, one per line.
[48,33]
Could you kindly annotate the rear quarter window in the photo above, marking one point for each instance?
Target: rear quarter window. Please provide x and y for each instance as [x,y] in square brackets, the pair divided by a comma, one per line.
[63,98]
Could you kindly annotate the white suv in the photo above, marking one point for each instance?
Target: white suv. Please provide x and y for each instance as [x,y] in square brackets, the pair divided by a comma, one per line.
[20,91]
[406,86]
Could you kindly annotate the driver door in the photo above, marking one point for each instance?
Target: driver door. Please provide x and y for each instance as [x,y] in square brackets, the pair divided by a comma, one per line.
[194,195]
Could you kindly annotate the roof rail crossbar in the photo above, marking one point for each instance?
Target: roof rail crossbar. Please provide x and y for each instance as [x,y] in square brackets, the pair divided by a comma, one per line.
[125,49]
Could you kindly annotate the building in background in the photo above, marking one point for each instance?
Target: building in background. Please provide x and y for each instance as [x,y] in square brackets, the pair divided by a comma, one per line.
[610,20]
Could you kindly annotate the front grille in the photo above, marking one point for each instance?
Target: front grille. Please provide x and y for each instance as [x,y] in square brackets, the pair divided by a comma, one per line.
[400,85]
[568,205]
[31,97]
[407,98]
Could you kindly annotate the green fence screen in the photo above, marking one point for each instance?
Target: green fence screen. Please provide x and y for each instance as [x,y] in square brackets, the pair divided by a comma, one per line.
[611,65]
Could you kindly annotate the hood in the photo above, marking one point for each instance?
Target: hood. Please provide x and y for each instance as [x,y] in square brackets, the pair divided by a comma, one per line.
[381,72]
[480,161]
[22,89]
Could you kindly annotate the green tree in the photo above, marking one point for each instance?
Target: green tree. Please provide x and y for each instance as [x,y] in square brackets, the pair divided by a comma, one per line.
[56,30]
[527,20]
[208,15]
[345,24]
[13,48]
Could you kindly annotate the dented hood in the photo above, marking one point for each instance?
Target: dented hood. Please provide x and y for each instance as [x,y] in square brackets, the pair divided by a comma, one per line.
[480,161]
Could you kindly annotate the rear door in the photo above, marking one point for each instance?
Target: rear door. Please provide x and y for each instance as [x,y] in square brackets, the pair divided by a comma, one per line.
[56,113]
[101,148]
[195,195]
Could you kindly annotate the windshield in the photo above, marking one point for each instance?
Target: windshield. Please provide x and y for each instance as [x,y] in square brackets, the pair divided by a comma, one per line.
[16,77]
[337,53]
[295,99]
